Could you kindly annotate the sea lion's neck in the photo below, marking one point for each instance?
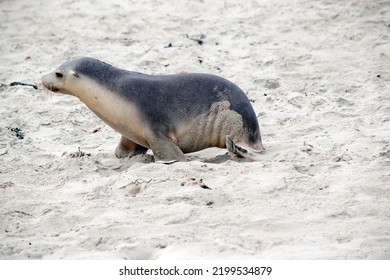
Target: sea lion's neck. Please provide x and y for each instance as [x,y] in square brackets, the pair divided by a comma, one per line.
[119,113]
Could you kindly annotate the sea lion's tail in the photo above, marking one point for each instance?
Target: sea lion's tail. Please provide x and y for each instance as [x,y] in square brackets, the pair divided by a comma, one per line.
[242,151]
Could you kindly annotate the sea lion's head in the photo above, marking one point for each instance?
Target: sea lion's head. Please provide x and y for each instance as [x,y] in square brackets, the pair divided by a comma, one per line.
[68,77]
[62,80]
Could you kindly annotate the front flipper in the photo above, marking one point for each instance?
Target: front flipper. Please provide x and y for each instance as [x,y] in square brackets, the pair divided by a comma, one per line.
[166,150]
[127,148]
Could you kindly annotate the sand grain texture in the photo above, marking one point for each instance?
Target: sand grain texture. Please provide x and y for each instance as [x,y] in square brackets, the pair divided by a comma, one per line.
[318,75]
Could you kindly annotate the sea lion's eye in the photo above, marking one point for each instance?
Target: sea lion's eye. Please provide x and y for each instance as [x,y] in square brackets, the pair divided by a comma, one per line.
[59,75]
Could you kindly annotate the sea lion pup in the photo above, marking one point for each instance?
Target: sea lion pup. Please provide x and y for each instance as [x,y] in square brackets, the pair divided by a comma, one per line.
[169,114]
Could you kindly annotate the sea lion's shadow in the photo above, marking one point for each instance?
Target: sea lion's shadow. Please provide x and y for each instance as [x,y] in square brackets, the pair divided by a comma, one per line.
[218,159]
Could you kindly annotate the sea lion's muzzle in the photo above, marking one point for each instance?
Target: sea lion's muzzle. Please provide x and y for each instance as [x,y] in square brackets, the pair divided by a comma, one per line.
[50,87]
[48,83]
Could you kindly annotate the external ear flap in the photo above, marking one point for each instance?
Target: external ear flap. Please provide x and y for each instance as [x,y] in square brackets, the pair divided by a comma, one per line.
[75,74]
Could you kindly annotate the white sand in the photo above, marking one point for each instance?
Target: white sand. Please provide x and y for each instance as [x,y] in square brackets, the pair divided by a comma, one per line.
[312,70]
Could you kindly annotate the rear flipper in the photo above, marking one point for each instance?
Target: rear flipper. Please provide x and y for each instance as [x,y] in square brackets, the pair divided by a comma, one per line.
[242,151]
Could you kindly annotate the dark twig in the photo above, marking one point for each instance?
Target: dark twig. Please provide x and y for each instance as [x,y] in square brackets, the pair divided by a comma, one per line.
[22,84]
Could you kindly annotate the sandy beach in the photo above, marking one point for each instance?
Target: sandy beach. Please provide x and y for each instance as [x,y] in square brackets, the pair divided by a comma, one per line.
[317,74]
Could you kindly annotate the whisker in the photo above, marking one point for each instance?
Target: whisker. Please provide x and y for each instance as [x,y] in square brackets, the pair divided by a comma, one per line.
[48,93]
